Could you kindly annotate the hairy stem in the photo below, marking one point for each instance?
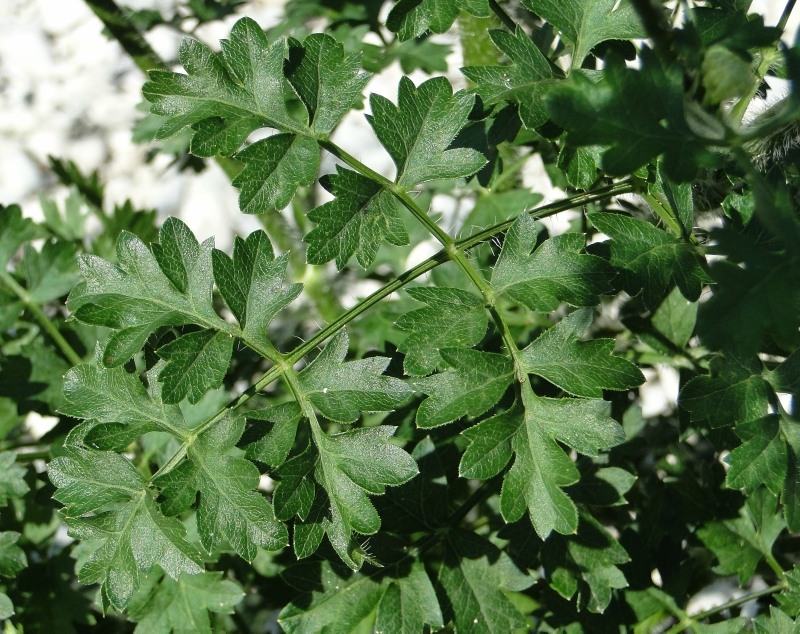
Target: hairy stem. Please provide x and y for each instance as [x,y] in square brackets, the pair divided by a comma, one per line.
[290,358]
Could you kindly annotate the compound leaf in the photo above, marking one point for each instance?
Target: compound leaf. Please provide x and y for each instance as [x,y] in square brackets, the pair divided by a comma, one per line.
[169,285]
[586,23]
[230,511]
[244,81]
[418,131]
[642,113]
[183,604]
[524,82]
[475,381]
[650,259]
[226,96]
[452,318]
[555,272]
[355,222]
[133,536]
[582,368]
[341,389]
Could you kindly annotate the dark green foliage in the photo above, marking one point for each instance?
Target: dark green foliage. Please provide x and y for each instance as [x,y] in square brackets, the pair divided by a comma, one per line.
[472,453]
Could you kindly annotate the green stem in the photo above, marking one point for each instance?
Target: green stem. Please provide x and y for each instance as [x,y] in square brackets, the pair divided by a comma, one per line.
[506,19]
[398,192]
[123,30]
[690,621]
[289,359]
[787,11]
[44,321]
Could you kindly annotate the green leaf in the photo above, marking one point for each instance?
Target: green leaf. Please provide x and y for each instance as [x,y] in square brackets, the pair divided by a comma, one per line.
[754,299]
[196,363]
[355,222]
[184,604]
[418,131]
[786,376]
[411,18]
[642,113]
[14,232]
[132,537]
[761,459]
[554,272]
[12,482]
[580,164]
[409,603]
[452,318]
[295,490]
[474,574]
[475,381]
[777,622]
[740,544]
[273,170]
[339,601]
[541,469]
[230,511]
[252,283]
[51,272]
[489,447]
[12,557]
[651,260]
[582,368]
[168,285]
[586,23]
[524,82]
[353,465]
[341,389]
[789,598]
[586,563]
[243,81]
[733,393]
[675,318]
[326,80]
[118,400]
[272,445]
[6,606]
[226,96]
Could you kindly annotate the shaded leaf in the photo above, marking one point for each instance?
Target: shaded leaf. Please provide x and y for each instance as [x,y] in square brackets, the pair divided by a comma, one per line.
[451,318]
[475,381]
[554,272]
[582,368]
